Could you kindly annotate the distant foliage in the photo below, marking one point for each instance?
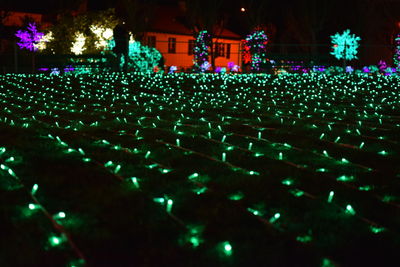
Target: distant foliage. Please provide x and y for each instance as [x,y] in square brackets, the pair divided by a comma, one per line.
[84,34]
[345,45]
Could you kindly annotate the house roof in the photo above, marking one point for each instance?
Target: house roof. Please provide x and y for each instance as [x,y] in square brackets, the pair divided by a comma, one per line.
[172,20]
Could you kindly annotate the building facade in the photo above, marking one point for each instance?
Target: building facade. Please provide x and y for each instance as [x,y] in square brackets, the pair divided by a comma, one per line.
[170,35]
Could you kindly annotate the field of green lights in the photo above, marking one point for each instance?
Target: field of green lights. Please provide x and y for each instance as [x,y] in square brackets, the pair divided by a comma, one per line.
[199,170]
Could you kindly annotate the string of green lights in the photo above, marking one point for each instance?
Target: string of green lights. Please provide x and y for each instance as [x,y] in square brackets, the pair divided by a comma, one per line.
[217,167]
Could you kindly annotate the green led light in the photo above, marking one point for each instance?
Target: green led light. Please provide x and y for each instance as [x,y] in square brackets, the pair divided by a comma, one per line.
[159,200]
[327,263]
[109,164]
[275,218]
[195,241]
[250,146]
[236,196]
[304,239]
[32,206]
[383,153]
[135,181]
[346,178]
[169,205]
[193,175]
[55,241]
[361,145]
[350,210]
[117,169]
[330,197]
[165,171]
[377,230]
[288,182]
[296,192]
[254,212]
[227,248]
[35,187]
[223,156]
[60,215]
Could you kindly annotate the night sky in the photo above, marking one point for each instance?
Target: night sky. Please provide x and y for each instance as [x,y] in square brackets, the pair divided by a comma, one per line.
[357,14]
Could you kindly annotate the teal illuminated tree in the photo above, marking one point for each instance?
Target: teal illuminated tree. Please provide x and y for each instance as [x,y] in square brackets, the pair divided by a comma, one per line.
[345,46]
[396,57]
[142,58]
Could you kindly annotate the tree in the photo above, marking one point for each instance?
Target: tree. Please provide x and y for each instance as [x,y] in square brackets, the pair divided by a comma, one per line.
[143,58]
[205,16]
[396,56]
[257,42]
[201,50]
[137,15]
[30,38]
[345,46]
[84,34]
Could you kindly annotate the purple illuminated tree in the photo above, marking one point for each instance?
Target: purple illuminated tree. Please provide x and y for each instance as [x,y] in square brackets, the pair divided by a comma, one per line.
[29,38]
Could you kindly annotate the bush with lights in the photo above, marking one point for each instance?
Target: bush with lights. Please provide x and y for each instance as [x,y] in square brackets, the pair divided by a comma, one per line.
[201,50]
[256,43]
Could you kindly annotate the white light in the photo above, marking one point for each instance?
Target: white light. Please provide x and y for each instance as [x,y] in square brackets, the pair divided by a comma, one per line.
[78,46]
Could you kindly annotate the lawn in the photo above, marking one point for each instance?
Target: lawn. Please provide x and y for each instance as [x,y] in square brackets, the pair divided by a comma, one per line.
[199,170]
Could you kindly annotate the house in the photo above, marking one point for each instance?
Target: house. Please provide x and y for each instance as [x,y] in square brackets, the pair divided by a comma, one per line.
[167,32]
[169,35]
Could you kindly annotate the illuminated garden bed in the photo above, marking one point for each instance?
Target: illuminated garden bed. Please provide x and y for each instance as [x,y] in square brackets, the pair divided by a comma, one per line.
[189,170]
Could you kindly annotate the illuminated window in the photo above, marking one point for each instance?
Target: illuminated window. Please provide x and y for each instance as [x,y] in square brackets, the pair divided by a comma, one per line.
[172,45]
[190,47]
[219,50]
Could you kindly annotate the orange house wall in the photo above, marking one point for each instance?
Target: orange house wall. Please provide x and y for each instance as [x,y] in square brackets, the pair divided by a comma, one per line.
[182,59]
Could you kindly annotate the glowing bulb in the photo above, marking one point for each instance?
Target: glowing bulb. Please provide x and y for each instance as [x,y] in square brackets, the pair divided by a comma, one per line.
[169,205]
[227,248]
[350,210]
[35,187]
[330,197]
[275,217]
[135,182]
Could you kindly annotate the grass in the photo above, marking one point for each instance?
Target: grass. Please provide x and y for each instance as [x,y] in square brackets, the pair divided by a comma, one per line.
[194,170]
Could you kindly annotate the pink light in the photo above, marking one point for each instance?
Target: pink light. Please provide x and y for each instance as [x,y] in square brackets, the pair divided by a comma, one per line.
[29,38]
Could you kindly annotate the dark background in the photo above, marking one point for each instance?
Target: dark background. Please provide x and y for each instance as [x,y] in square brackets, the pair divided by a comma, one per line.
[292,26]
